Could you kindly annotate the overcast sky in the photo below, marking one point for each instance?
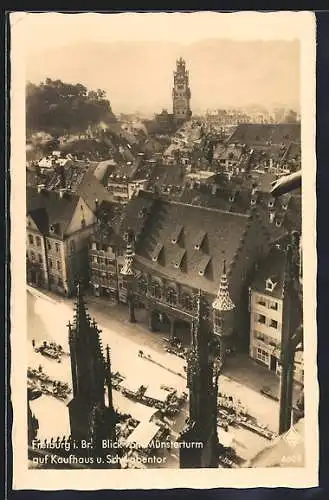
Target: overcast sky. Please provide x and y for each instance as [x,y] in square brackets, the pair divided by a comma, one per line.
[233,59]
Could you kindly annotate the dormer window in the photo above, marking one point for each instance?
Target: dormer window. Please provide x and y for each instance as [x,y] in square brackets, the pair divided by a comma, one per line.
[272,217]
[270,285]
[200,239]
[278,223]
[51,228]
[253,201]
[157,251]
[271,203]
[232,198]
[176,235]
[204,265]
[177,262]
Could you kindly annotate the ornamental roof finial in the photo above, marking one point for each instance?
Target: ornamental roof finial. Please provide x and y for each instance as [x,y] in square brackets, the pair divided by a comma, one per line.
[223,301]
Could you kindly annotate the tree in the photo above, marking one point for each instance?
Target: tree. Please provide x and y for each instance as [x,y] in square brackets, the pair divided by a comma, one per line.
[62,108]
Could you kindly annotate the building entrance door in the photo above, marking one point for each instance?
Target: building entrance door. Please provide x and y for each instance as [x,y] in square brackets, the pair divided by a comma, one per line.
[273,364]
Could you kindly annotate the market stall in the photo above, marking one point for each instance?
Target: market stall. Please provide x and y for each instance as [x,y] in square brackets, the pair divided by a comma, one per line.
[142,436]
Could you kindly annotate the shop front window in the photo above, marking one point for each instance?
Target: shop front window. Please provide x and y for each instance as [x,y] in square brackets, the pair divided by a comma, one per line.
[262,355]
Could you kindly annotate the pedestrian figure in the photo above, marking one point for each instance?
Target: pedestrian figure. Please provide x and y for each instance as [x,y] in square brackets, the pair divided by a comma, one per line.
[33,343]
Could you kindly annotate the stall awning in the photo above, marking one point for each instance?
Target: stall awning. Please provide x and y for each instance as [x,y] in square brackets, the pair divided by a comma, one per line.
[143,434]
[131,385]
[138,411]
[157,393]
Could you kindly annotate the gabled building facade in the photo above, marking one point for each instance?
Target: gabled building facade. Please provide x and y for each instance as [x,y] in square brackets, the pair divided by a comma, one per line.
[59,225]
[266,314]
[180,249]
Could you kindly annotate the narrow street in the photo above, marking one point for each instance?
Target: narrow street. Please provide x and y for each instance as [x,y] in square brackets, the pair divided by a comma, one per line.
[47,319]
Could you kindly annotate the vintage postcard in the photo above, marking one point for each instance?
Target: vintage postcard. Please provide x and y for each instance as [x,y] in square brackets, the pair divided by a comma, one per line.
[162,248]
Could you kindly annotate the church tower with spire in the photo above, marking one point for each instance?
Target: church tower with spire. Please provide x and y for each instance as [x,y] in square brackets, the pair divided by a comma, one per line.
[181,93]
[222,308]
[202,382]
[91,416]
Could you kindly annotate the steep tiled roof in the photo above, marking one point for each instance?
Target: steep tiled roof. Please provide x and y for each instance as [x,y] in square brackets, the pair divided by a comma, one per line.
[253,134]
[101,170]
[272,267]
[48,209]
[78,179]
[122,172]
[135,215]
[91,189]
[167,175]
[287,209]
[179,258]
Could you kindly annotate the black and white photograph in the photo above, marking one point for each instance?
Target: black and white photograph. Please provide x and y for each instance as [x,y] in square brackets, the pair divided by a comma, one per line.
[165,247]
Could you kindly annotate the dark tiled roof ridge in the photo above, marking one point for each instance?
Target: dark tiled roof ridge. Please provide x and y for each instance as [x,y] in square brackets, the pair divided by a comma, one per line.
[210,209]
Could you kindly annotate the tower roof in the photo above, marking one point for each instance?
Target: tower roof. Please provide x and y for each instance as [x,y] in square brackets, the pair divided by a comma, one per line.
[223,301]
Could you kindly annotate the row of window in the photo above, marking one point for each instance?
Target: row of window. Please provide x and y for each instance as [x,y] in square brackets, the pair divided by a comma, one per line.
[104,248]
[102,260]
[170,295]
[51,265]
[266,338]
[36,259]
[57,246]
[118,189]
[37,240]
[100,274]
[265,302]
[260,318]
[55,281]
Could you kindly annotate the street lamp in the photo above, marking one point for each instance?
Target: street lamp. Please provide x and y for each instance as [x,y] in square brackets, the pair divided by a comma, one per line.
[292,334]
